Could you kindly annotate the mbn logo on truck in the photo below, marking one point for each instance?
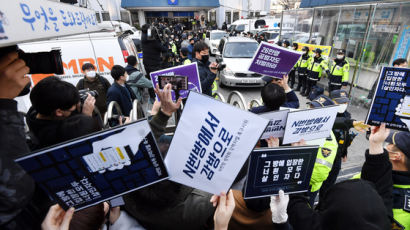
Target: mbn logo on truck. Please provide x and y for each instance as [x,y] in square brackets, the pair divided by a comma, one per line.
[72,69]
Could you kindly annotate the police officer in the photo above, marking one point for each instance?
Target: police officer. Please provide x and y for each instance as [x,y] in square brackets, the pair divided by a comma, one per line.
[302,69]
[292,73]
[339,71]
[184,57]
[344,137]
[325,156]
[316,66]
[399,154]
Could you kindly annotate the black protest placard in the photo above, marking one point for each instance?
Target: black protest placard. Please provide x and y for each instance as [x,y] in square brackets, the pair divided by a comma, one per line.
[99,167]
[273,169]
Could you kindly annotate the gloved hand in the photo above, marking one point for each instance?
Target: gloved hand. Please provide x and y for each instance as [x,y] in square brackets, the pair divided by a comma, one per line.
[328,73]
[278,206]
[345,83]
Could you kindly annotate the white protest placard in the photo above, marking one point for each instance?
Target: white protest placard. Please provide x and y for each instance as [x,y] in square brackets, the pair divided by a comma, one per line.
[211,143]
[29,20]
[310,124]
[277,123]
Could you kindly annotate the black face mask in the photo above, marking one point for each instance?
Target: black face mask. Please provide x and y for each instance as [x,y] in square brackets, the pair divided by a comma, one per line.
[204,58]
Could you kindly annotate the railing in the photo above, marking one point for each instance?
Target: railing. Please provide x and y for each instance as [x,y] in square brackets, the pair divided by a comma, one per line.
[110,113]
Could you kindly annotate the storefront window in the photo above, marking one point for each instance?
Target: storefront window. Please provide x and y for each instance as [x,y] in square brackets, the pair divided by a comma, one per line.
[325,25]
[303,22]
[235,16]
[228,17]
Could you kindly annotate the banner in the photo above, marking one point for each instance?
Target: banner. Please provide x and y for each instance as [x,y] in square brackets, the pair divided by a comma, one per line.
[273,60]
[100,167]
[191,71]
[211,143]
[277,123]
[29,20]
[288,169]
[310,124]
[325,49]
[391,100]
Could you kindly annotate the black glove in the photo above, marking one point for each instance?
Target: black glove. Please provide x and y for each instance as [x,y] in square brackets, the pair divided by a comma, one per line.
[328,73]
[345,83]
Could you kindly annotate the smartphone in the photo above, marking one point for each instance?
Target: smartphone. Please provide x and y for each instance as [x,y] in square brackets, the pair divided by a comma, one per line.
[178,82]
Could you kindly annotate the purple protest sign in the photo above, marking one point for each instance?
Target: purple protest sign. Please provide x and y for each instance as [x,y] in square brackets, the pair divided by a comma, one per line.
[273,60]
[190,71]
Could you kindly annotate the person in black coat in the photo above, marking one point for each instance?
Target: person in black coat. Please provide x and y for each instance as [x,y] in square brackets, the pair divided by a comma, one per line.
[207,70]
[54,116]
[120,91]
[151,49]
[16,186]
[364,203]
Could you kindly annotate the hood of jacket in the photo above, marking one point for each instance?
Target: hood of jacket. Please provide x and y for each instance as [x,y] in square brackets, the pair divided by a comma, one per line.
[354,204]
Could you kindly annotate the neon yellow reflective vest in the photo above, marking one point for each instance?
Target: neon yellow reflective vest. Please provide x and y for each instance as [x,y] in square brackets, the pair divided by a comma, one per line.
[174,48]
[340,73]
[400,214]
[187,61]
[214,87]
[324,162]
[317,65]
[304,61]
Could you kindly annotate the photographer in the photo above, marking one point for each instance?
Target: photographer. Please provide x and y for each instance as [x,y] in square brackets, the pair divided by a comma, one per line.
[152,49]
[207,70]
[57,115]
[94,81]
[17,187]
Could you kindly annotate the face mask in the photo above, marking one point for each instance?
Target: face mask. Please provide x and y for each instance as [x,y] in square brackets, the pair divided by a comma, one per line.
[91,74]
[340,56]
[205,58]
[342,108]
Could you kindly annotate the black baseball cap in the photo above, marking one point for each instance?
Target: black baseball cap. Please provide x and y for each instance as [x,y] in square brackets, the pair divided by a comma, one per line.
[340,96]
[341,51]
[317,50]
[321,101]
[401,139]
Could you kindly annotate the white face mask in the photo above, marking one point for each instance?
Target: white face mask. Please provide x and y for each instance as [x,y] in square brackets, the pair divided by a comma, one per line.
[342,108]
[91,74]
[340,56]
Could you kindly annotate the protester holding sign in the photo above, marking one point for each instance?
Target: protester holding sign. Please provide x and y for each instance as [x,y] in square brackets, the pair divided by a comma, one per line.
[325,156]
[344,137]
[275,94]
[352,204]
[175,205]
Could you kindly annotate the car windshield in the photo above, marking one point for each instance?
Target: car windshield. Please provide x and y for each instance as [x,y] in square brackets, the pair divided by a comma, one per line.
[240,49]
[270,36]
[217,36]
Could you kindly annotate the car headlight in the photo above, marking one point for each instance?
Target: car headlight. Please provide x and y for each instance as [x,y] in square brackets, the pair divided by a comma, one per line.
[228,71]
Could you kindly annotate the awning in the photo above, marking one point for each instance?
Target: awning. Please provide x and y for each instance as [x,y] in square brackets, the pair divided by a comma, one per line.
[171,4]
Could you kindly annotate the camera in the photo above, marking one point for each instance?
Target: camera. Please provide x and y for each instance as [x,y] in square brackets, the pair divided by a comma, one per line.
[84,94]
[41,62]
[221,65]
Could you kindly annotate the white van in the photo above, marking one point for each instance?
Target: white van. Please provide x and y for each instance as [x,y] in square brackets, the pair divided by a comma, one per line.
[252,25]
[103,49]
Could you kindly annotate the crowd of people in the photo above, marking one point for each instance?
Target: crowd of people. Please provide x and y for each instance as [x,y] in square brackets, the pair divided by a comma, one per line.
[375,199]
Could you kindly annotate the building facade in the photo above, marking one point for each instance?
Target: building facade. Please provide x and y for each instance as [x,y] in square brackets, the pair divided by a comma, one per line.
[373,34]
